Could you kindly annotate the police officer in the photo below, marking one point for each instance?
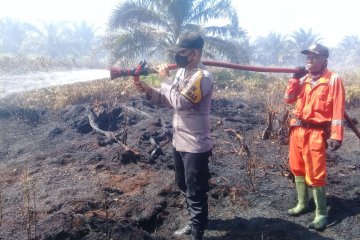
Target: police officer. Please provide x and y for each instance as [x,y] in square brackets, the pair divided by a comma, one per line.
[318,123]
[189,95]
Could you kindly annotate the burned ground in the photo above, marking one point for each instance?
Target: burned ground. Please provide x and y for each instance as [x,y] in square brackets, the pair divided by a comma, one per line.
[60,179]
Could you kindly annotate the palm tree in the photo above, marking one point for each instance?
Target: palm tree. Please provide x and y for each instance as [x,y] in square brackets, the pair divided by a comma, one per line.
[86,38]
[347,54]
[55,40]
[271,50]
[350,42]
[13,35]
[301,40]
[89,47]
[147,28]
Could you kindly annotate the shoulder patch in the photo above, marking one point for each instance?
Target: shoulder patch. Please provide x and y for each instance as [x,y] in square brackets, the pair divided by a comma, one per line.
[192,91]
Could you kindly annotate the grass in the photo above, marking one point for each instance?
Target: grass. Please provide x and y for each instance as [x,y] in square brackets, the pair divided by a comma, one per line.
[352,87]
[265,88]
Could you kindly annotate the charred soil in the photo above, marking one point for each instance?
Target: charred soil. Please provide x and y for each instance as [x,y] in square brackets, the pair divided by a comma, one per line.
[61,179]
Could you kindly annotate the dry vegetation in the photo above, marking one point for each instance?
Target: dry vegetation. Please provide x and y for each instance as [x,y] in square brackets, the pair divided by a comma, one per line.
[78,93]
[264,89]
[352,86]
[267,89]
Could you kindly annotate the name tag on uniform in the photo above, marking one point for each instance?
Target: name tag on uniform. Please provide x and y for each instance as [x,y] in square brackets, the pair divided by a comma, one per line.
[192,91]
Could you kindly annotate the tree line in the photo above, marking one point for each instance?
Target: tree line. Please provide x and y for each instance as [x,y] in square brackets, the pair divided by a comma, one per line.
[144,29]
[67,42]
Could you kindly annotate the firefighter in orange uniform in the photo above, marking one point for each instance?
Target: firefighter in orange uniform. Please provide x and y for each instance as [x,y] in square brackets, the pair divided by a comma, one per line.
[318,123]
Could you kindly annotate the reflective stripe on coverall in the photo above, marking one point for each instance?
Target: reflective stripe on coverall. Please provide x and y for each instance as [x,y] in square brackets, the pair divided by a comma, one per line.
[319,104]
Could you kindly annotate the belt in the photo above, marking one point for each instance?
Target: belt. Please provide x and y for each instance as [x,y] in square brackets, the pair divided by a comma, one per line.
[324,125]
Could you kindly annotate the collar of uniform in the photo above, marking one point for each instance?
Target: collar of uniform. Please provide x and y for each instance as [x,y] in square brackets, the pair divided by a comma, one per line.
[322,79]
[198,66]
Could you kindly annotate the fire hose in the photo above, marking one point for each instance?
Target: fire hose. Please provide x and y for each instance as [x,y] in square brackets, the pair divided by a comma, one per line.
[141,69]
[117,72]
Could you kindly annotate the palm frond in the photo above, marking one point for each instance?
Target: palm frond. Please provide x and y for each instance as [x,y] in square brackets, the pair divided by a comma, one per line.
[231,50]
[150,27]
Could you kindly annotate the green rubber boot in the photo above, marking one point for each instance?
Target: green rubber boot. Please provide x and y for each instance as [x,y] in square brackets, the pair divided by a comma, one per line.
[303,197]
[320,220]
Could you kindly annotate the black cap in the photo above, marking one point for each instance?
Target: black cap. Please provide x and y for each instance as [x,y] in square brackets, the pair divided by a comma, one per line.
[317,49]
[189,40]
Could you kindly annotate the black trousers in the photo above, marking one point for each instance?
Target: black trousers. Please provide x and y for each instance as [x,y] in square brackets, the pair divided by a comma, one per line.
[192,177]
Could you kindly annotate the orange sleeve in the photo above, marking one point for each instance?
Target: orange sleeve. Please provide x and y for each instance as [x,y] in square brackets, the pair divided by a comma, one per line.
[338,105]
[292,90]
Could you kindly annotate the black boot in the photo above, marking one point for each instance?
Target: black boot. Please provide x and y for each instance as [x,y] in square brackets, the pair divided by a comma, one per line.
[183,231]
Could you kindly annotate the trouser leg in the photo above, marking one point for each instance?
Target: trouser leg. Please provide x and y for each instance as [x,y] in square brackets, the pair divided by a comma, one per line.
[196,178]
[198,208]
[179,171]
[315,158]
[180,182]
[296,161]
[307,155]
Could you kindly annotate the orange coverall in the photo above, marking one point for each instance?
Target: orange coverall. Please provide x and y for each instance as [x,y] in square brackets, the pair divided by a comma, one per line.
[319,114]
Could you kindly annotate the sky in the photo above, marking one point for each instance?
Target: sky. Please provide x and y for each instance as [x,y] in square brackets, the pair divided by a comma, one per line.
[331,20]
